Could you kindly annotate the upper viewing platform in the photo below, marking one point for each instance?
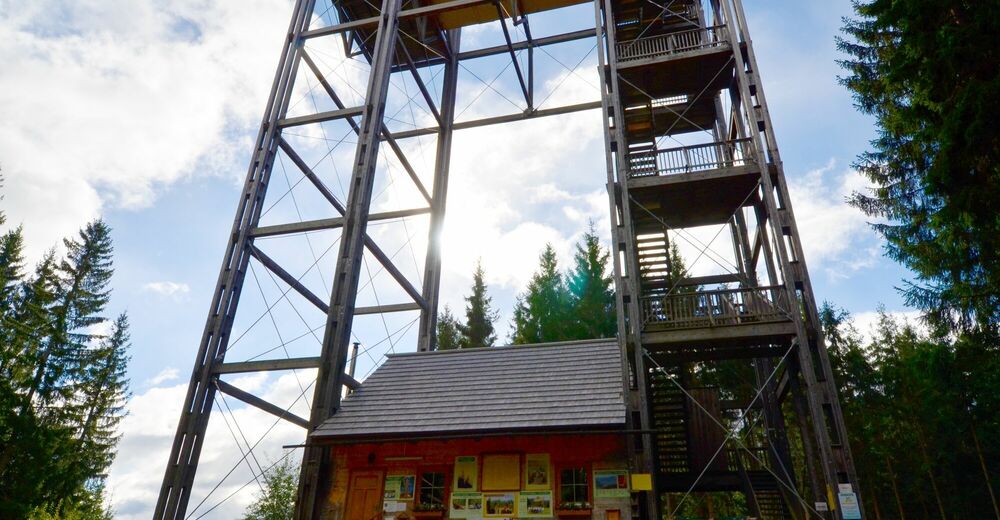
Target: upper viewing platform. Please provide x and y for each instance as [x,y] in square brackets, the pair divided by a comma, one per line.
[425,21]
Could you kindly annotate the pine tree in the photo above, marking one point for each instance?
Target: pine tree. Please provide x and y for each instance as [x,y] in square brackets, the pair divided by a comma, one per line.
[541,314]
[591,294]
[448,335]
[478,331]
[277,500]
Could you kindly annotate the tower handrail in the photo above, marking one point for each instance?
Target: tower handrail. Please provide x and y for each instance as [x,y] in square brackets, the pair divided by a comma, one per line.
[715,308]
[686,159]
[671,43]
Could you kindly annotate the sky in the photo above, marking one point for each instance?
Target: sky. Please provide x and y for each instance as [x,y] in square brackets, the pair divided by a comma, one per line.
[144,114]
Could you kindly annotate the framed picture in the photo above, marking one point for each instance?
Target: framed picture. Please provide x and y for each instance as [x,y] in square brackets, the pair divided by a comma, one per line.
[537,472]
[502,472]
[610,483]
[464,504]
[391,492]
[407,485]
[466,473]
[535,504]
[499,505]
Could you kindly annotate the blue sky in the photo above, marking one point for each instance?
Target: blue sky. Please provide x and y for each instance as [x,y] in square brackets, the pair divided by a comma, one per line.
[143,113]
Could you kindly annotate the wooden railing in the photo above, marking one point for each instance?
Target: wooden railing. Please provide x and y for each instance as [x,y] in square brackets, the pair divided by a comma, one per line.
[687,159]
[673,43]
[715,308]
[751,458]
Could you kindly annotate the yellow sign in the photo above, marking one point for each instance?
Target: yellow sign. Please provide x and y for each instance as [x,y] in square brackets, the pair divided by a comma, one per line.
[642,482]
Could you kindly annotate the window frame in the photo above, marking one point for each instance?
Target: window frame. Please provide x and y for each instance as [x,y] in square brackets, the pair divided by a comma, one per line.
[445,487]
[587,477]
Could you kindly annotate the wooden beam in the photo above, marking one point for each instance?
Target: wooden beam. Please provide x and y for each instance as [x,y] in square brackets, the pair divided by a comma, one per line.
[379,309]
[320,117]
[239,367]
[329,223]
[261,404]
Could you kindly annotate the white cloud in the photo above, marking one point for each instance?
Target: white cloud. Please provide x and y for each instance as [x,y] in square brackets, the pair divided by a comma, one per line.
[835,236]
[165,375]
[867,322]
[105,102]
[170,289]
[149,428]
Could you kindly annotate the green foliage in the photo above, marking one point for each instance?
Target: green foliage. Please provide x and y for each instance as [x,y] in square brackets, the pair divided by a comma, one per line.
[929,72]
[277,500]
[542,313]
[62,385]
[448,335]
[592,297]
[915,406]
[477,331]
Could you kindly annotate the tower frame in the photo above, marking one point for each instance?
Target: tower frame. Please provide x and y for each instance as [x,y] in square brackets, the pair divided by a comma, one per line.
[790,365]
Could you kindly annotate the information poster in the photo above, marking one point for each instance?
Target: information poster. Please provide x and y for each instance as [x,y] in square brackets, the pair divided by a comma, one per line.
[535,504]
[466,472]
[392,488]
[466,504]
[399,487]
[407,485]
[849,507]
[536,472]
[499,505]
[610,483]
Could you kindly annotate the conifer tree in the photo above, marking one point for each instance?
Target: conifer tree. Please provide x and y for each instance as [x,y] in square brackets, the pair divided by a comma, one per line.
[929,73]
[63,387]
[591,295]
[541,313]
[448,335]
[478,331]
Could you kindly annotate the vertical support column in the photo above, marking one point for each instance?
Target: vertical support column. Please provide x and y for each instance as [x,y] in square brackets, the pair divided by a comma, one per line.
[623,244]
[427,339]
[337,338]
[845,460]
[820,399]
[178,478]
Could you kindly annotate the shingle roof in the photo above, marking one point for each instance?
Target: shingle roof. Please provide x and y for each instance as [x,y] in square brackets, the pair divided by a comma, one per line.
[535,387]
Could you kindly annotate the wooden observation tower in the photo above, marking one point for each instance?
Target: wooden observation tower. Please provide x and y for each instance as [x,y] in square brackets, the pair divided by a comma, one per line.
[690,147]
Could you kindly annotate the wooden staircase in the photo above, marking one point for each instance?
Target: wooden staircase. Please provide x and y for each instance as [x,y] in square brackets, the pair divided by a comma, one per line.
[670,420]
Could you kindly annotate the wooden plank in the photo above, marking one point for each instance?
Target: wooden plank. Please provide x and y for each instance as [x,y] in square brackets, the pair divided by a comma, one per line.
[238,367]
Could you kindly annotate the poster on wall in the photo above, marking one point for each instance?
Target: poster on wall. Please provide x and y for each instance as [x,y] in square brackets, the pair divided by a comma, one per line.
[536,471]
[499,505]
[407,484]
[535,504]
[399,487]
[391,488]
[611,483]
[466,472]
[466,505]
[501,472]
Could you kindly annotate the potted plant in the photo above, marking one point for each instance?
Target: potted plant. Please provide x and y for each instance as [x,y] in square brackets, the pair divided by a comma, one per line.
[421,510]
[574,509]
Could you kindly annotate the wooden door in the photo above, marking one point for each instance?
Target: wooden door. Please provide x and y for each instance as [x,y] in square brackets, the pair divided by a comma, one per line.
[364,497]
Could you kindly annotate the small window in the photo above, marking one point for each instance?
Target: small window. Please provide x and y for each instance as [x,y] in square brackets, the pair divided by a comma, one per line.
[432,488]
[573,485]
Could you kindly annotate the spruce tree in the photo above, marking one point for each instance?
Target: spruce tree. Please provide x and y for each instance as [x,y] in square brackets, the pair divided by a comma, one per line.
[929,73]
[448,335]
[478,331]
[63,387]
[542,312]
[591,294]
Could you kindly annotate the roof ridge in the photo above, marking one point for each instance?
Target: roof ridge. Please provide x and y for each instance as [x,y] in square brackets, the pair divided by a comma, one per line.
[576,342]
